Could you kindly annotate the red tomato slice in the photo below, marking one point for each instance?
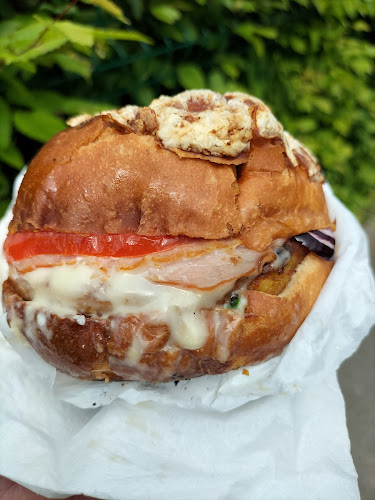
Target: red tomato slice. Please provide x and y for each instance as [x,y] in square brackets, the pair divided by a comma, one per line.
[27,244]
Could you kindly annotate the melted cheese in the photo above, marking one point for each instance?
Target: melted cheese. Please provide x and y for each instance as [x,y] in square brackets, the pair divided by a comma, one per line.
[62,289]
[57,289]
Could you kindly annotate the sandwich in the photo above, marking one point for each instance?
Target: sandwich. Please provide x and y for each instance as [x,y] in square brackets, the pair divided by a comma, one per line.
[166,242]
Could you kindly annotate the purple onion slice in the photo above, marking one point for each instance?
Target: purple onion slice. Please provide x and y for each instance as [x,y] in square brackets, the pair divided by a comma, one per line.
[321,241]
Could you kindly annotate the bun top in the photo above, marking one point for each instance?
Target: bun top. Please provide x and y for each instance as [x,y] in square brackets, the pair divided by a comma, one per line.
[199,164]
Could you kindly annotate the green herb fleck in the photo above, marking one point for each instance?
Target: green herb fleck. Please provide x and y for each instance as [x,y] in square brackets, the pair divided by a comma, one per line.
[234,300]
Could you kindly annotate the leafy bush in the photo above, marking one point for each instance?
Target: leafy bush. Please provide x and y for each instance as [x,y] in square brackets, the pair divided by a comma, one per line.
[312,61]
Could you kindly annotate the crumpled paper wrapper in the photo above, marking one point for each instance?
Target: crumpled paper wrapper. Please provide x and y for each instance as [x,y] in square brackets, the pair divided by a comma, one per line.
[206,438]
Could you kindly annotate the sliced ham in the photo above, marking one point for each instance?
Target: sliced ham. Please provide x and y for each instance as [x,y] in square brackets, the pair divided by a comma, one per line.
[202,265]
[210,270]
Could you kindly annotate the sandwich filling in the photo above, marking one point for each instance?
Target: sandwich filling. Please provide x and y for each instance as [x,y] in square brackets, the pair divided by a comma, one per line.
[172,287]
[98,299]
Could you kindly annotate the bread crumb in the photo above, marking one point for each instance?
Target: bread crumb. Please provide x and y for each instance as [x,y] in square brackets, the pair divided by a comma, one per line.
[245,371]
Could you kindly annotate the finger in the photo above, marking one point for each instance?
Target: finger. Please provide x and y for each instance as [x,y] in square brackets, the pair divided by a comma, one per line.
[9,490]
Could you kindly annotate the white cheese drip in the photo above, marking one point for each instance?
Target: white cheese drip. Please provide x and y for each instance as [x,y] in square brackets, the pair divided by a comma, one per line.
[56,289]
[60,290]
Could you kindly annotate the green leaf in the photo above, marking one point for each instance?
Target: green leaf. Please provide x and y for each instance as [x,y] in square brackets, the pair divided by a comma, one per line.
[187,29]
[361,66]
[167,31]
[17,93]
[11,25]
[26,66]
[5,124]
[367,174]
[267,32]
[12,156]
[245,6]
[137,8]
[109,7]
[4,186]
[217,81]
[247,31]
[48,100]
[144,95]
[74,63]
[4,205]
[258,45]
[361,25]
[52,40]
[25,36]
[53,102]
[236,87]
[76,33]
[134,36]
[321,6]
[166,13]
[306,125]
[185,6]
[190,76]
[323,104]
[230,69]
[39,125]
[298,44]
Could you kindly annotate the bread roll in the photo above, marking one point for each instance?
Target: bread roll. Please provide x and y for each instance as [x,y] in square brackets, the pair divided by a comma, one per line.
[217,181]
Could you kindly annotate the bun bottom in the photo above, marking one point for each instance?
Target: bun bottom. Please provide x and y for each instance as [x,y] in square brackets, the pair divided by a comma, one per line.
[132,348]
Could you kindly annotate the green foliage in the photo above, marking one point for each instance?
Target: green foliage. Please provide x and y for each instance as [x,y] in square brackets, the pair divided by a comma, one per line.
[39,125]
[166,13]
[190,76]
[312,61]
[110,7]
[33,47]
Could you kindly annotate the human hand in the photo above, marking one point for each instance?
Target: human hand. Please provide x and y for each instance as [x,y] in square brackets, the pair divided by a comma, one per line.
[9,490]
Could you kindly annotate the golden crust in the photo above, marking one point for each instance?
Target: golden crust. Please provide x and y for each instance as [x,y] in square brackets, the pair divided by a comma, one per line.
[277,201]
[99,178]
[100,348]
[103,178]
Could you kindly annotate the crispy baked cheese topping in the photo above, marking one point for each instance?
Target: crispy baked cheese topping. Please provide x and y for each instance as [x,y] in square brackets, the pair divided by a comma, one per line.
[305,157]
[203,122]
[209,124]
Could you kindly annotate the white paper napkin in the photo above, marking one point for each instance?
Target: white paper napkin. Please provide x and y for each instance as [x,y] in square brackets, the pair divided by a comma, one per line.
[284,447]
[207,437]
